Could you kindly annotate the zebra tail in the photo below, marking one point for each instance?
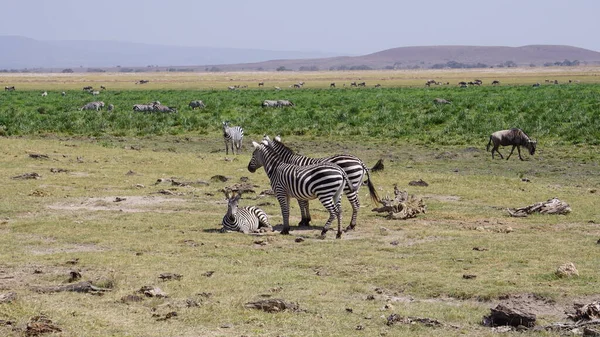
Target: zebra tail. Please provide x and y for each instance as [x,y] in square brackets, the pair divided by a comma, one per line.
[487,148]
[372,191]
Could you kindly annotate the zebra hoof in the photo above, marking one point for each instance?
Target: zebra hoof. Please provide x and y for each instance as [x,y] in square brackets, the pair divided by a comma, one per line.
[304,223]
[338,235]
[349,228]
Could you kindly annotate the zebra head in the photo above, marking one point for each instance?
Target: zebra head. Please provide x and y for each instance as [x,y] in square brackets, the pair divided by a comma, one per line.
[257,160]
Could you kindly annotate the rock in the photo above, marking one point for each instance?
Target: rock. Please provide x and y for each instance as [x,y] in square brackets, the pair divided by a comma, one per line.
[502,315]
[567,270]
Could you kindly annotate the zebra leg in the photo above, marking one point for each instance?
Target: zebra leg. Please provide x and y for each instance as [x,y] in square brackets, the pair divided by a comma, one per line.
[284,203]
[331,207]
[355,203]
[511,152]
[226,148]
[338,209]
[304,211]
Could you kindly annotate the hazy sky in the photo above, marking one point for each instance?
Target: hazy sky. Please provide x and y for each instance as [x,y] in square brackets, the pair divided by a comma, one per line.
[339,26]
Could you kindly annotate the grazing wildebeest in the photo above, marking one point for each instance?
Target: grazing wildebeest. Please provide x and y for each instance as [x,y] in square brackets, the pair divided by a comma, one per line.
[377,85]
[362,84]
[284,102]
[495,82]
[12,88]
[44,94]
[261,84]
[478,82]
[430,82]
[197,104]
[462,83]
[301,83]
[93,106]
[102,87]
[353,84]
[441,101]
[536,85]
[297,85]
[555,81]
[514,137]
[88,88]
[332,85]
[268,103]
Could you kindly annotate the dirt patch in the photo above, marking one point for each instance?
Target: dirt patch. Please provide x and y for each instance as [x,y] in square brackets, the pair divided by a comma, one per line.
[36,250]
[129,204]
[442,198]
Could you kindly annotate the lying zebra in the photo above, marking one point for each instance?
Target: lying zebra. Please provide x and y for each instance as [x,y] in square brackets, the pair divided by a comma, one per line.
[323,181]
[355,169]
[249,219]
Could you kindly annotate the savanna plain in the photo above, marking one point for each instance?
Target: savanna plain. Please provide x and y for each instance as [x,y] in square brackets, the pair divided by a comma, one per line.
[119,198]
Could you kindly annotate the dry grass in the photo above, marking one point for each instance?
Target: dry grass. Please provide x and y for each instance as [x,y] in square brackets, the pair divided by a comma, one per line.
[319,79]
[414,267]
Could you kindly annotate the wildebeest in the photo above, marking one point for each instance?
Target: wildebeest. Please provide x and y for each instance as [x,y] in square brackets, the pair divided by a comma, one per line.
[44,94]
[93,106]
[11,88]
[430,82]
[261,84]
[297,85]
[362,84]
[196,104]
[478,82]
[89,87]
[441,101]
[352,84]
[142,81]
[332,85]
[515,137]
[461,83]
[495,82]
[536,85]
[377,85]
[102,87]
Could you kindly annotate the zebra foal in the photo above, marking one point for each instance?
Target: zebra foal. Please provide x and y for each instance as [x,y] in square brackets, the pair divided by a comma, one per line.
[354,167]
[232,135]
[249,219]
[323,181]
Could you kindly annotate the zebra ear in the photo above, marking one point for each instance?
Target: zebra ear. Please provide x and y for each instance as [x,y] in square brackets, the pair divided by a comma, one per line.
[266,137]
[278,138]
[255,144]
[265,142]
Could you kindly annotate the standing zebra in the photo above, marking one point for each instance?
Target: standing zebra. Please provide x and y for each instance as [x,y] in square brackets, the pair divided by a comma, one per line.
[354,167]
[249,219]
[323,181]
[233,135]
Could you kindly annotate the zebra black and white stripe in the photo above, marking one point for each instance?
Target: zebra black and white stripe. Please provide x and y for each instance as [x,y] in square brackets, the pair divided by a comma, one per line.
[352,165]
[249,219]
[232,135]
[323,181]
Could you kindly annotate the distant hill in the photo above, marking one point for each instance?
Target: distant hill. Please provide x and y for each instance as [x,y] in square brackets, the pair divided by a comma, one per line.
[22,52]
[436,57]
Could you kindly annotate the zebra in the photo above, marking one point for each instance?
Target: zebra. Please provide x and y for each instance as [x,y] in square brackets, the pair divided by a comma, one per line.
[143,107]
[270,103]
[233,135]
[323,181]
[110,107]
[44,94]
[93,106]
[354,167]
[163,108]
[95,93]
[284,102]
[249,219]
[11,88]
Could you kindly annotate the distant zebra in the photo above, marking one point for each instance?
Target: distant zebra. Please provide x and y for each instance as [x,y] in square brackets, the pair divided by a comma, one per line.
[197,104]
[143,107]
[44,94]
[63,93]
[110,107]
[233,135]
[354,167]
[11,88]
[323,181]
[284,102]
[93,106]
[95,93]
[269,103]
[163,108]
[249,219]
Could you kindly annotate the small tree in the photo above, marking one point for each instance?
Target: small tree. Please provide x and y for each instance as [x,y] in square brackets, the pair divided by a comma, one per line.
[67,71]
[281,68]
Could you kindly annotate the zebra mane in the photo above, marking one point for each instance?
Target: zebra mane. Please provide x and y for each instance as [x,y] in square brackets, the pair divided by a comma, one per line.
[277,140]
